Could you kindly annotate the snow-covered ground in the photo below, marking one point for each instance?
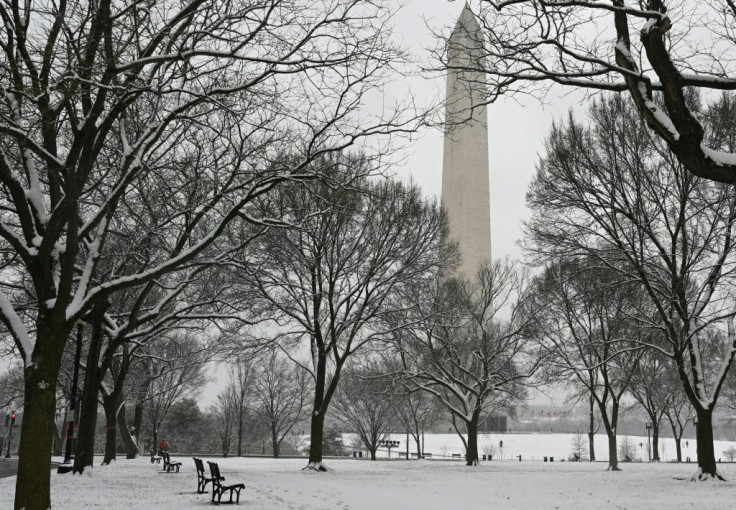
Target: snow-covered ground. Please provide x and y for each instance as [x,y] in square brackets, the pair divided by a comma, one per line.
[386,485]
[538,446]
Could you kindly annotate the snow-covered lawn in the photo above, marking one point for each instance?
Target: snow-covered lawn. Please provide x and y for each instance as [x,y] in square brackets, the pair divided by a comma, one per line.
[386,485]
[537,446]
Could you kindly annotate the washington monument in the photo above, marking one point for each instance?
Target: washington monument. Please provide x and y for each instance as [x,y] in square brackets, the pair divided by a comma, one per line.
[465,193]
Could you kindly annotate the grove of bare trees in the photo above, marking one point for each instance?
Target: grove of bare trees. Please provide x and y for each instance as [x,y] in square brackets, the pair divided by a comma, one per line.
[328,284]
[105,105]
[613,192]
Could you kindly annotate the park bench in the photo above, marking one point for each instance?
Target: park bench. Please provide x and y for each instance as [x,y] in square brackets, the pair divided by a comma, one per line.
[218,488]
[426,455]
[457,456]
[168,465]
[202,479]
[154,458]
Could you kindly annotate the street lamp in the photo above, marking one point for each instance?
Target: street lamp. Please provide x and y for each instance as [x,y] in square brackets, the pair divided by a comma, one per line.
[388,445]
[649,444]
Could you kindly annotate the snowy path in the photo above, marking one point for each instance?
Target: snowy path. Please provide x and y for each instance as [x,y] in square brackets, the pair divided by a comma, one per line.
[387,485]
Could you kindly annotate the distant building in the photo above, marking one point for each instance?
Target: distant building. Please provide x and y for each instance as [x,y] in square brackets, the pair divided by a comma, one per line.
[494,423]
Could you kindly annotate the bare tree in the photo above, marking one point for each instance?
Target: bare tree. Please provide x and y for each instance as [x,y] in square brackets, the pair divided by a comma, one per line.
[730,454]
[99,99]
[616,194]
[11,388]
[577,446]
[176,372]
[585,327]
[416,412]
[364,403]
[280,392]
[459,349]
[679,413]
[327,283]
[651,390]
[580,394]
[650,49]
[225,414]
[241,379]
[627,449]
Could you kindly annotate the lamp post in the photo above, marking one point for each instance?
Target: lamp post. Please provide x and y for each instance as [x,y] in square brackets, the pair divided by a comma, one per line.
[649,439]
[388,445]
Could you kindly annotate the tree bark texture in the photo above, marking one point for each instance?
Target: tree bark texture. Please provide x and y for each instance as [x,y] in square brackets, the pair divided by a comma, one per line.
[655,442]
[131,448]
[591,429]
[316,434]
[274,442]
[110,404]
[32,488]
[471,453]
[240,432]
[706,453]
[85,446]
[612,452]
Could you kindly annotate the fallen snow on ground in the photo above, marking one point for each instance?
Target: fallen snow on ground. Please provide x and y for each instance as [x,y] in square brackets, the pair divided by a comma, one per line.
[538,446]
[385,485]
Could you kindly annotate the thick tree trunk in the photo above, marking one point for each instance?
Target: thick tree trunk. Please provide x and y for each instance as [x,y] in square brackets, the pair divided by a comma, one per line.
[131,448]
[655,442]
[591,430]
[612,452]
[32,487]
[274,442]
[373,453]
[85,448]
[678,448]
[419,446]
[34,468]
[319,409]
[706,453]
[85,445]
[316,435]
[110,404]
[471,452]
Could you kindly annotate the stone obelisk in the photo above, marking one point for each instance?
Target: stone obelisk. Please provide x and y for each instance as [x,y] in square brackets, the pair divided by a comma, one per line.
[465,185]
